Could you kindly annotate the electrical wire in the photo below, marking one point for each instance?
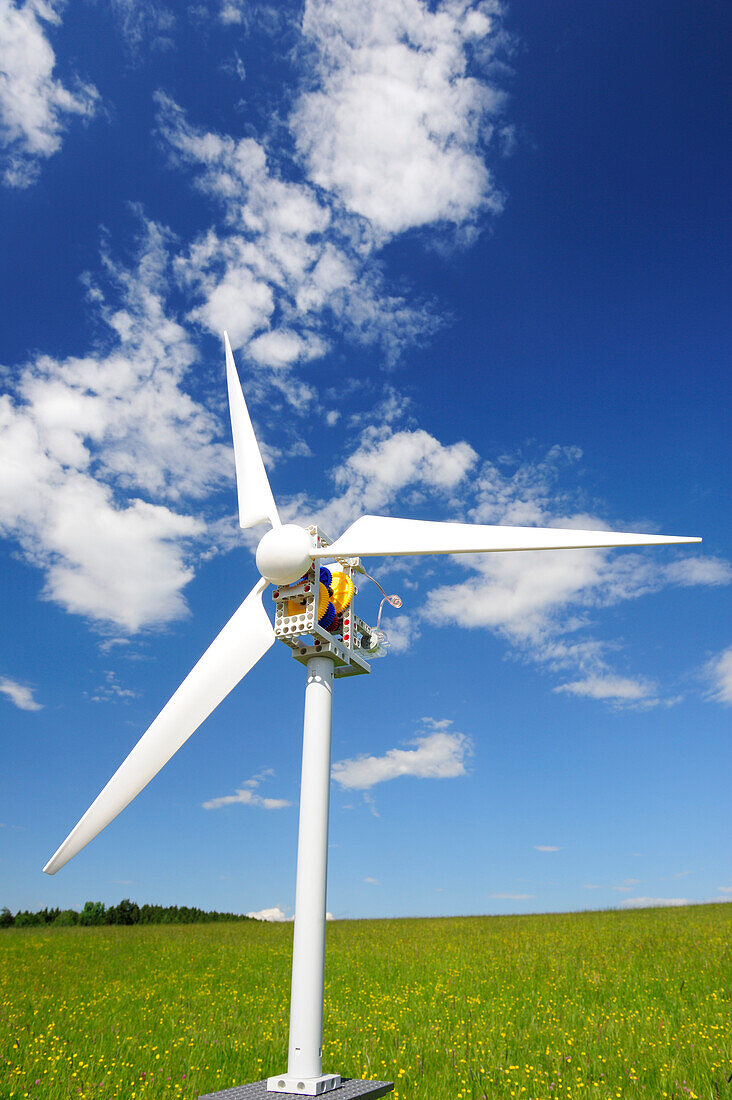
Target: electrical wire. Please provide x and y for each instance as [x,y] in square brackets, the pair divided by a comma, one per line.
[395,601]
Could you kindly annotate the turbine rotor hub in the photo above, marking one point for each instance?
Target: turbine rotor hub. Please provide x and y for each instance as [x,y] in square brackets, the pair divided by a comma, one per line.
[285,553]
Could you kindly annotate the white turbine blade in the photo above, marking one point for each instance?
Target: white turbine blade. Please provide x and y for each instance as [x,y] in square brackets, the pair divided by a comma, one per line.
[244,640]
[376,535]
[256,503]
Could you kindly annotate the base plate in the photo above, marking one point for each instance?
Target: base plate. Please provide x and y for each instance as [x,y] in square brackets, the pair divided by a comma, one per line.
[349,1089]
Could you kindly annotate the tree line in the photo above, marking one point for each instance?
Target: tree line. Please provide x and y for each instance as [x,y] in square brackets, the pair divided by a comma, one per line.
[127,912]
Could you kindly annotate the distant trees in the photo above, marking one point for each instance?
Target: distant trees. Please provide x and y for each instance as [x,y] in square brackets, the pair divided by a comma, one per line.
[67,918]
[127,912]
[25,919]
[93,912]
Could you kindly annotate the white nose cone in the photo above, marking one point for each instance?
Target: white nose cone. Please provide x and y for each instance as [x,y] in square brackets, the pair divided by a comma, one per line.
[285,553]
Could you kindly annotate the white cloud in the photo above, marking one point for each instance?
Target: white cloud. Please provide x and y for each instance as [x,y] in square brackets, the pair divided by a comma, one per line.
[385,463]
[437,723]
[396,127]
[513,897]
[695,570]
[111,689]
[540,600]
[232,11]
[719,674]
[20,694]
[614,688]
[626,884]
[280,348]
[266,773]
[725,889]
[236,301]
[95,449]
[34,108]
[546,848]
[277,915]
[518,594]
[246,796]
[273,915]
[271,18]
[436,756]
[648,903]
[401,631]
[144,23]
[282,267]
[372,881]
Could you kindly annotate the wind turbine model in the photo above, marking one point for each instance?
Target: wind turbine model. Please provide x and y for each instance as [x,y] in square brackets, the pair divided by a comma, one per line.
[314,616]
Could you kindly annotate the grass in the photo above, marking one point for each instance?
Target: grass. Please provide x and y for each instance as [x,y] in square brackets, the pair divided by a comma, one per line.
[616,1004]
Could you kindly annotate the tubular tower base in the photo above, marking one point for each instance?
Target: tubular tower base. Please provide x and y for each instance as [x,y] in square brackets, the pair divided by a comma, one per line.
[305,1086]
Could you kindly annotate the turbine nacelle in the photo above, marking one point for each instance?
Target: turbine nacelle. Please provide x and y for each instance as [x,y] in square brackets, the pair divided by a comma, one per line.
[285,553]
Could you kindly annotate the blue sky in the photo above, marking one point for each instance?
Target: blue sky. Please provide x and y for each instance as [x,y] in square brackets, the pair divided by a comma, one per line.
[474,261]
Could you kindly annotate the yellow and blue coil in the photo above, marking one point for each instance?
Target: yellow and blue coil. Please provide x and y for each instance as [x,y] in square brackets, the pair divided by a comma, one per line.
[326,611]
[342,591]
[335,594]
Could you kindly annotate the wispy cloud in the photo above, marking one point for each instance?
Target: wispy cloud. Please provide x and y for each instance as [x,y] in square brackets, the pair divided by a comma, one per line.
[19,694]
[616,689]
[513,897]
[648,903]
[292,262]
[144,24]
[695,570]
[435,756]
[546,848]
[281,270]
[388,464]
[372,881]
[35,108]
[543,602]
[246,796]
[718,673]
[111,689]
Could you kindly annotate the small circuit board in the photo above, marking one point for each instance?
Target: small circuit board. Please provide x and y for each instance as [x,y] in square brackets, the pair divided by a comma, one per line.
[315,616]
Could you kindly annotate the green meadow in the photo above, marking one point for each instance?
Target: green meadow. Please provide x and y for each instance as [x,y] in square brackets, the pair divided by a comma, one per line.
[613,1004]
